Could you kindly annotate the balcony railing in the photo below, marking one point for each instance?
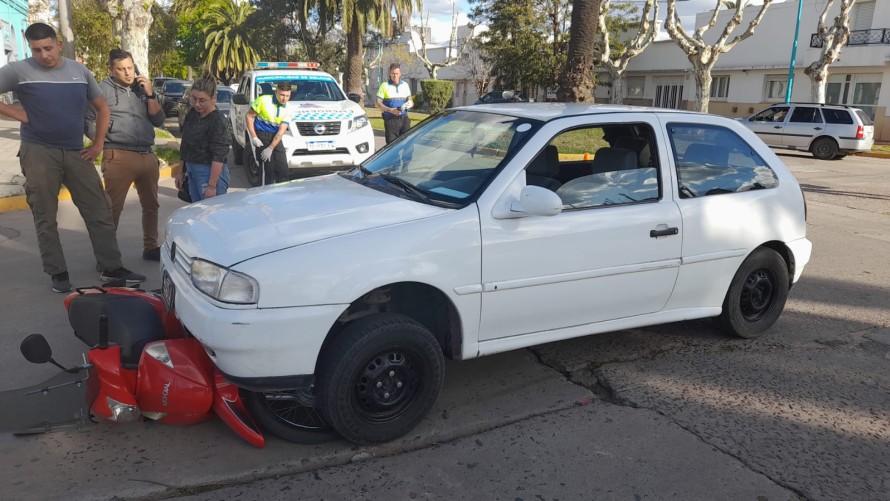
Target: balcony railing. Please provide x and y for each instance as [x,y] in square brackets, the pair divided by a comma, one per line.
[859,37]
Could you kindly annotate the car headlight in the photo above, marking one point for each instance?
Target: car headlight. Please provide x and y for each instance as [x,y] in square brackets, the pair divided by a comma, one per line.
[359,122]
[224,284]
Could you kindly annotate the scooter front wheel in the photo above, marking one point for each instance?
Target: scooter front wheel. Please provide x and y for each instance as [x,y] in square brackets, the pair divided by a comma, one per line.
[282,414]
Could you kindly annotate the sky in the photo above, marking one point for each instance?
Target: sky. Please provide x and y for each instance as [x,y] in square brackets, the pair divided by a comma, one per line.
[440,13]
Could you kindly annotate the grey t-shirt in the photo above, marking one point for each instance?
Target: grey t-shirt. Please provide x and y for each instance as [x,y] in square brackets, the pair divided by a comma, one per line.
[54,98]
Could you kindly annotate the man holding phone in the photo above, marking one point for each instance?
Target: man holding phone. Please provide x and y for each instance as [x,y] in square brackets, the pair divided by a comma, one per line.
[127,158]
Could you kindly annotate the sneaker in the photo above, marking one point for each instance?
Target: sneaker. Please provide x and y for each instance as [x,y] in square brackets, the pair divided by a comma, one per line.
[122,274]
[152,254]
[61,283]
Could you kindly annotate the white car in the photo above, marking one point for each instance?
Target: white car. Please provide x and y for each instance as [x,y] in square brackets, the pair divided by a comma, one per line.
[328,132]
[488,228]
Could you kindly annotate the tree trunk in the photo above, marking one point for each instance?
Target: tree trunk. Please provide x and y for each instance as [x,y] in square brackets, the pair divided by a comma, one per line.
[136,21]
[702,85]
[818,78]
[352,78]
[65,32]
[577,80]
[619,82]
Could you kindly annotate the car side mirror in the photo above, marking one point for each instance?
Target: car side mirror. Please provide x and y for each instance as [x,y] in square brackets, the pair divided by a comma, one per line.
[533,201]
[355,98]
[239,99]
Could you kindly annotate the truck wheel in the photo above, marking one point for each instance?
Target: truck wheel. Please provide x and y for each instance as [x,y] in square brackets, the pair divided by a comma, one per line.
[379,378]
[254,176]
[281,414]
[824,148]
[756,296]
[237,151]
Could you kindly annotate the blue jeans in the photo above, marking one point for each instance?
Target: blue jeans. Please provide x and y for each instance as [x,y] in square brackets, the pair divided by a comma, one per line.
[199,176]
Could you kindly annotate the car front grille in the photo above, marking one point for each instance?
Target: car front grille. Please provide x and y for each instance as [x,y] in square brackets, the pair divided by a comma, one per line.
[335,151]
[313,128]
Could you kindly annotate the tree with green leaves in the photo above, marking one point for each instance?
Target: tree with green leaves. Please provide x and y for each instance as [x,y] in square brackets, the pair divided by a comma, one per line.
[517,44]
[93,24]
[229,47]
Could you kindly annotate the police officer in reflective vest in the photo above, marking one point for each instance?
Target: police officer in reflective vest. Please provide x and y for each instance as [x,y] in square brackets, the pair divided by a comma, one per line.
[267,121]
[394,99]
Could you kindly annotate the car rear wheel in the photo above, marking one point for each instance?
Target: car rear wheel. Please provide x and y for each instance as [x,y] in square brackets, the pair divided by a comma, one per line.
[756,296]
[379,378]
[824,148]
[282,414]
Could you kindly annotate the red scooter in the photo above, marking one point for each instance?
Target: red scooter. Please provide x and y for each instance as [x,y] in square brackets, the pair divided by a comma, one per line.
[142,364]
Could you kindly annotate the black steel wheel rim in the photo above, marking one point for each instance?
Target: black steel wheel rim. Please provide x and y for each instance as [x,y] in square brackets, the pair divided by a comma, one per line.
[387,384]
[286,407]
[758,294]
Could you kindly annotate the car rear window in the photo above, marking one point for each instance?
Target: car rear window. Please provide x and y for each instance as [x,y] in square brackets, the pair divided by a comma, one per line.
[173,88]
[866,120]
[835,116]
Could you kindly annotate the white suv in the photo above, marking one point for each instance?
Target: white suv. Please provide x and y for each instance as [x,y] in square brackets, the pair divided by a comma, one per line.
[827,131]
[328,131]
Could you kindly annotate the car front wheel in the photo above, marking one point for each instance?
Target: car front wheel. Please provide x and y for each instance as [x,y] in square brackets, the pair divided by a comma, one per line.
[379,378]
[756,296]
[824,148]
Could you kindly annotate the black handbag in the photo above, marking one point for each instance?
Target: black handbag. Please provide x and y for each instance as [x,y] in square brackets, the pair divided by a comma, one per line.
[184,194]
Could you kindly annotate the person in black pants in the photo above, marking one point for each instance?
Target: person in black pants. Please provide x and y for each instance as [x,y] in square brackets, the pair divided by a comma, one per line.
[394,100]
[267,121]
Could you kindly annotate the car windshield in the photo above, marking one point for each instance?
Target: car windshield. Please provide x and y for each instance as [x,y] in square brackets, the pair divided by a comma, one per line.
[223,96]
[174,88]
[447,159]
[303,87]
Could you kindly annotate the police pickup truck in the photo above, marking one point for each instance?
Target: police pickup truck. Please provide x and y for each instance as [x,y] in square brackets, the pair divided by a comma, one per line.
[327,132]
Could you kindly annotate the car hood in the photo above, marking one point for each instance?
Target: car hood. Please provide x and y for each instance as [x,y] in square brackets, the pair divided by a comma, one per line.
[238,226]
[319,111]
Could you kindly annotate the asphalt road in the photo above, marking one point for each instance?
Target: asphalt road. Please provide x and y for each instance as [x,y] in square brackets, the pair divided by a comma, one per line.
[674,411]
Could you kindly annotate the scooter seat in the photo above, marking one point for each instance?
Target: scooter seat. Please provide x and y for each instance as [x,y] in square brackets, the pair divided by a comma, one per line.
[132,322]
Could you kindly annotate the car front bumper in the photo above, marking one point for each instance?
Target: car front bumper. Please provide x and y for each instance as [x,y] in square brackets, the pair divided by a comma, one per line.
[256,347]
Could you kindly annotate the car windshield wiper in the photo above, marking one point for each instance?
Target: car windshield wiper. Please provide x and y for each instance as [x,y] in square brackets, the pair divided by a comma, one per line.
[407,187]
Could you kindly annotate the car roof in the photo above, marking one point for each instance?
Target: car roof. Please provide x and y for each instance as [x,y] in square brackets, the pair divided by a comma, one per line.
[550,111]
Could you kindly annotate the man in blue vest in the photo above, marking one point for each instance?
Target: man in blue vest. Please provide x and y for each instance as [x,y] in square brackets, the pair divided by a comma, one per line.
[267,121]
[394,100]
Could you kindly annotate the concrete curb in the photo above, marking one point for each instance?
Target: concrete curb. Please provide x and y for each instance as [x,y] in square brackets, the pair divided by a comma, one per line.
[20,202]
[874,154]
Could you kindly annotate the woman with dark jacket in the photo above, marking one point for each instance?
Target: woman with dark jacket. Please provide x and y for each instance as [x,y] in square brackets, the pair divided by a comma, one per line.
[205,143]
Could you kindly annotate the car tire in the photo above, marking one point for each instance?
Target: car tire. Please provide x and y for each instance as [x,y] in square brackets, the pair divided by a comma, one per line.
[824,148]
[379,378]
[254,176]
[756,295]
[237,152]
[282,415]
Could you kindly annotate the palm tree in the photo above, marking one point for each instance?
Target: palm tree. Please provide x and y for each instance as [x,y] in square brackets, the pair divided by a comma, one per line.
[577,79]
[358,15]
[228,44]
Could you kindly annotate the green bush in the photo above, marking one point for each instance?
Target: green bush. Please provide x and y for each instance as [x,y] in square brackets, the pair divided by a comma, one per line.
[167,155]
[437,93]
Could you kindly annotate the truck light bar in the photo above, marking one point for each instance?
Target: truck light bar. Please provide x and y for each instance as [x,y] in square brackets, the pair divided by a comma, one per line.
[283,64]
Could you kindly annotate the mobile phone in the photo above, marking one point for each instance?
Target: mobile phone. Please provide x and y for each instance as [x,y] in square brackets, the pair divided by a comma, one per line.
[136,85]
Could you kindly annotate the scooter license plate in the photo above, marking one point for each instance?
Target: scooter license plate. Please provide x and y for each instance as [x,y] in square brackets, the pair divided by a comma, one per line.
[168,291]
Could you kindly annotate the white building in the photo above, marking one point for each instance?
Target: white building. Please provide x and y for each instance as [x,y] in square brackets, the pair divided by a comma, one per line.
[754,74]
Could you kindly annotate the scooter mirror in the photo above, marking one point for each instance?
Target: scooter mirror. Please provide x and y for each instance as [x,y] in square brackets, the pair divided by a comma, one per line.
[36,349]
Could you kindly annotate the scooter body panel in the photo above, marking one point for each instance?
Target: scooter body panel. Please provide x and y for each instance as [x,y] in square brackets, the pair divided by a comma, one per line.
[108,380]
[175,381]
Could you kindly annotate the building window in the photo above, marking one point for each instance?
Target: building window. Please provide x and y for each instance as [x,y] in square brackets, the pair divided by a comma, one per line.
[720,87]
[636,86]
[775,87]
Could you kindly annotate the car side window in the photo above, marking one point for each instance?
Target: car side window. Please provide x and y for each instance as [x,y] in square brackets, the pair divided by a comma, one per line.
[604,165]
[713,160]
[806,114]
[774,114]
[836,116]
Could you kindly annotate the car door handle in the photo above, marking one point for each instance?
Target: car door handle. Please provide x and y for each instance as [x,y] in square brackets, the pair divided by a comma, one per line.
[777,126]
[665,232]
[817,128]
